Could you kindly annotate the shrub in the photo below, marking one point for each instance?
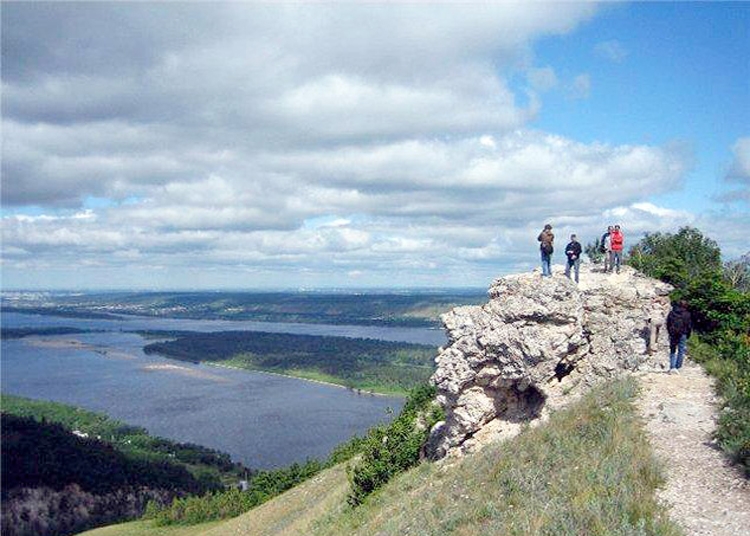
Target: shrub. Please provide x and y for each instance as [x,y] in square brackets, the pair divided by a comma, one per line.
[390,450]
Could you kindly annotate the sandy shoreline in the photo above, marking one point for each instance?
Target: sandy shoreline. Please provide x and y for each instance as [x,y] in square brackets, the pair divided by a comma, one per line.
[75,344]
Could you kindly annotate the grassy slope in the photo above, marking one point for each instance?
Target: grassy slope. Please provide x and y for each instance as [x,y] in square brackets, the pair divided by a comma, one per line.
[589,471]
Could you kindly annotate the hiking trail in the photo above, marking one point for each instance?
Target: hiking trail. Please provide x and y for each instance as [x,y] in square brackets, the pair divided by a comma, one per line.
[706,495]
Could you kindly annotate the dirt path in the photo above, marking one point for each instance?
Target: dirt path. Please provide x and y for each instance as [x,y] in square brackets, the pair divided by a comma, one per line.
[706,495]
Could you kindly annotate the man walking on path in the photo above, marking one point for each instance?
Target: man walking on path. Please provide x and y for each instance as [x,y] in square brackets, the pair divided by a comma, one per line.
[546,248]
[618,241]
[573,252]
[679,327]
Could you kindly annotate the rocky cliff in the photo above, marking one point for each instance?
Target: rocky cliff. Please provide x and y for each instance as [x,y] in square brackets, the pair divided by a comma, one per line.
[534,346]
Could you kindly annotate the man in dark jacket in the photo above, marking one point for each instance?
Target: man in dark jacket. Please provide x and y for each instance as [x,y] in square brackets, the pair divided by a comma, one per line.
[679,327]
[573,252]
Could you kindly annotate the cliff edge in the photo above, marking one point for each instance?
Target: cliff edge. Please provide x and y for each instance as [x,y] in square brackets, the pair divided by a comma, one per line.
[538,343]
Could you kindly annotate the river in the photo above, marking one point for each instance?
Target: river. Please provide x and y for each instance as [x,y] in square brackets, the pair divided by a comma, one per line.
[261,420]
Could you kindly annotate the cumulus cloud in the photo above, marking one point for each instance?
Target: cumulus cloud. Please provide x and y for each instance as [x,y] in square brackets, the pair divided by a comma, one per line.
[252,142]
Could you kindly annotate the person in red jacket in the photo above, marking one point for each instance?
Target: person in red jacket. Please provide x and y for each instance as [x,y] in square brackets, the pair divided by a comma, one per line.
[617,243]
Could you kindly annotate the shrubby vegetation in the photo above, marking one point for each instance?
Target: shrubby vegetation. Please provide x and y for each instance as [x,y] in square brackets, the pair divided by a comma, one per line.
[383,366]
[263,486]
[719,301]
[231,503]
[391,449]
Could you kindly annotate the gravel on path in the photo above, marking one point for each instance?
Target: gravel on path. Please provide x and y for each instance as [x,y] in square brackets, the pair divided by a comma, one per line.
[706,495]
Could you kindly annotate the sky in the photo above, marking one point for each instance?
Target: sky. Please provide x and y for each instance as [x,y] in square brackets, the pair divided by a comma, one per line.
[209,146]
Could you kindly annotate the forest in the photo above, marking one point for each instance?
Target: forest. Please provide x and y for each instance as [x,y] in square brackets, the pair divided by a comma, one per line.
[56,482]
[19,333]
[367,364]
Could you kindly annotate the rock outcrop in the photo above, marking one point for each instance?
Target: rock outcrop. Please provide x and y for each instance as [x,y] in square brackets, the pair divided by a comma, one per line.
[537,344]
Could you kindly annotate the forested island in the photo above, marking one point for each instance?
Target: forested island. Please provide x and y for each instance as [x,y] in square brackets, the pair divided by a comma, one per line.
[365,364]
[19,333]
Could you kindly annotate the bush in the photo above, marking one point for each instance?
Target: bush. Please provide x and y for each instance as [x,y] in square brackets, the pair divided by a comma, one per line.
[729,362]
[263,486]
[390,450]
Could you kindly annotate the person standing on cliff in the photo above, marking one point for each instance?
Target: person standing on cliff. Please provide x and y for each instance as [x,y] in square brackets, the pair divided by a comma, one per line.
[573,252]
[617,243]
[679,327]
[546,247]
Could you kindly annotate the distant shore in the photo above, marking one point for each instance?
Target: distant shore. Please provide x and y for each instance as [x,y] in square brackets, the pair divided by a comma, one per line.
[303,378]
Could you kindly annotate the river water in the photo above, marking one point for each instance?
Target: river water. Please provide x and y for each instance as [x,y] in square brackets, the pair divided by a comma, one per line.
[262,420]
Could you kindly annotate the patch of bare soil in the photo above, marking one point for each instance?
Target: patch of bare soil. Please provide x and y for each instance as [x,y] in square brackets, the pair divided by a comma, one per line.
[706,495]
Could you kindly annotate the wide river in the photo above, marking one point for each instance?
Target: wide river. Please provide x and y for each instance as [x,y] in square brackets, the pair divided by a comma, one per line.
[262,420]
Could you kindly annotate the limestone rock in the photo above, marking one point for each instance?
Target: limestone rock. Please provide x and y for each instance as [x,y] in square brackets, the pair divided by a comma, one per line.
[535,345]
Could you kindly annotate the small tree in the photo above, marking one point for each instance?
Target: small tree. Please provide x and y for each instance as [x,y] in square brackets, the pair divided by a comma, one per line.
[678,258]
[737,273]
[594,251]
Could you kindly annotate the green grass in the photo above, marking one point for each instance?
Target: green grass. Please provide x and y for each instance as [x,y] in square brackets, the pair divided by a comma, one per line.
[730,365]
[590,471]
[143,528]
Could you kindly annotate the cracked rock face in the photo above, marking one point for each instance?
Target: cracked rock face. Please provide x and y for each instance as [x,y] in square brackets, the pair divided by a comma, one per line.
[537,344]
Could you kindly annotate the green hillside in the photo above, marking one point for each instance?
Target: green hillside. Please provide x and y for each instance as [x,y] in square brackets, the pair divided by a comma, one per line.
[588,470]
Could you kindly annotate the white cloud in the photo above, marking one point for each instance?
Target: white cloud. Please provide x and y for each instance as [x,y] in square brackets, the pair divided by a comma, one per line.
[254,142]
[580,88]
[612,50]
[740,167]
[542,78]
